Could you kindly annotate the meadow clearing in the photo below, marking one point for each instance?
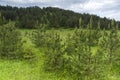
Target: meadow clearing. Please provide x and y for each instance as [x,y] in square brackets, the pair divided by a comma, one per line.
[31,69]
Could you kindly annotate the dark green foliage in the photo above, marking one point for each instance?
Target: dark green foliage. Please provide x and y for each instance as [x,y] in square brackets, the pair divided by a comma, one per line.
[2,20]
[52,45]
[10,41]
[74,55]
[110,45]
[80,59]
[53,17]
[39,36]
[54,52]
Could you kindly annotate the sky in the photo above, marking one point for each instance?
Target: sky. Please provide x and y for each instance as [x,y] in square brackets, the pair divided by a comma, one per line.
[103,8]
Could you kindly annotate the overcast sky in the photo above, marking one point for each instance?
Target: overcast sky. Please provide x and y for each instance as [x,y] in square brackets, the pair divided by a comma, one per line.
[103,8]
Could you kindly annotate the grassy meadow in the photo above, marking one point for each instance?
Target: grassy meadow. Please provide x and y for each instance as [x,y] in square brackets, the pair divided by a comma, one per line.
[33,70]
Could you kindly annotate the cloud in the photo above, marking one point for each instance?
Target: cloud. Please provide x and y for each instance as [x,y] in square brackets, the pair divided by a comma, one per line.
[103,8]
[61,3]
[26,1]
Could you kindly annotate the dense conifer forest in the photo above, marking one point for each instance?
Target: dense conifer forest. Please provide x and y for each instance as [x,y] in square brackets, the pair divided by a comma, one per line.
[54,17]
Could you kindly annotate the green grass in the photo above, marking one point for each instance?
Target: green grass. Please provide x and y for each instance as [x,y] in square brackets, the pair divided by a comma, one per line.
[30,70]
[21,70]
[17,70]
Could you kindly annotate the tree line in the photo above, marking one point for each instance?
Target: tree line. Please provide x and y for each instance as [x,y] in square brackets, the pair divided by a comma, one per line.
[54,17]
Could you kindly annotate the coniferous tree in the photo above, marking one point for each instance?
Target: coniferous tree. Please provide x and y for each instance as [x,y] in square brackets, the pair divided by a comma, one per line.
[10,41]
[80,23]
[39,36]
[79,53]
[110,46]
[2,19]
[54,52]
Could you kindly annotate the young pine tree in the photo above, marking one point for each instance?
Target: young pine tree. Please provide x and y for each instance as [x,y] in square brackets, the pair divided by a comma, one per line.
[110,45]
[39,36]
[54,52]
[10,41]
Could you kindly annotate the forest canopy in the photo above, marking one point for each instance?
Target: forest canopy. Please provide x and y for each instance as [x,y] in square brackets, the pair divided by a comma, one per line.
[53,17]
